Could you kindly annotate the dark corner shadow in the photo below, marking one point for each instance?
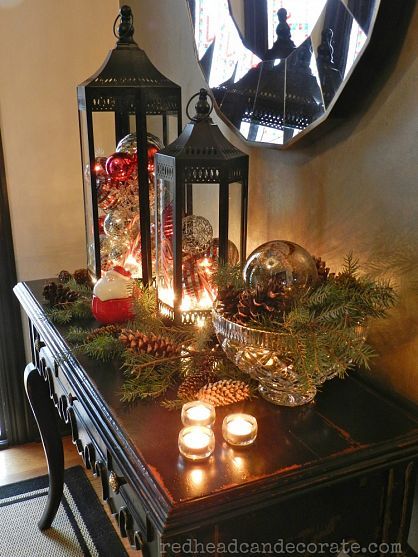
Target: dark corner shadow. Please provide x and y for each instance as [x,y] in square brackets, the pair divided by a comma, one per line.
[369,77]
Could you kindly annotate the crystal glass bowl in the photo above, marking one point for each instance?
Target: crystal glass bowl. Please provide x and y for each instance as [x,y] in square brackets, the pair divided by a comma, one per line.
[260,354]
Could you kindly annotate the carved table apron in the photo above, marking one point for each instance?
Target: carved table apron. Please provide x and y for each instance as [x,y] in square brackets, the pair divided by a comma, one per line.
[341,468]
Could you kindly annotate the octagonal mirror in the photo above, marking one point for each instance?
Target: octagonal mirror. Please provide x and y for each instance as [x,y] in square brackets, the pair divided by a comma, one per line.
[277,67]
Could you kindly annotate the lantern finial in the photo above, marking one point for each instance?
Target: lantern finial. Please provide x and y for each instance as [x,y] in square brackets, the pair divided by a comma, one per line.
[125,31]
[202,107]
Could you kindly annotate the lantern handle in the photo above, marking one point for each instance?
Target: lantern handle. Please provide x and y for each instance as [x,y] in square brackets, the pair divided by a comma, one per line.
[125,31]
[203,109]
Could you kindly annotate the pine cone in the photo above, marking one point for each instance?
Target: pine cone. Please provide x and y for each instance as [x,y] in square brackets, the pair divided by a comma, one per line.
[157,346]
[227,301]
[111,330]
[64,277]
[224,392]
[82,277]
[272,300]
[58,294]
[323,270]
[189,388]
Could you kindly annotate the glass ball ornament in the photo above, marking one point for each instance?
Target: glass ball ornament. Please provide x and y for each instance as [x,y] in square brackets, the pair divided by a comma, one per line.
[118,251]
[197,234]
[120,166]
[100,166]
[116,224]
[282,260]
[129,145]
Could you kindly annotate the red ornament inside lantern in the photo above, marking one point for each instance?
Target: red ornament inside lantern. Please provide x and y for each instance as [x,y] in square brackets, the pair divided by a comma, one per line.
[152,149]
[100,166]
[120,166]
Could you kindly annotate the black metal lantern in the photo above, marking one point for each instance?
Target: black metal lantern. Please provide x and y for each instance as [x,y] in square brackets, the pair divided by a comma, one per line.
[202,191]
[118,107]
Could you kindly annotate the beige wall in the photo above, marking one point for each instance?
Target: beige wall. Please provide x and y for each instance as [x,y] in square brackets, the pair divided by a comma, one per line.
[47,47]
[355,189]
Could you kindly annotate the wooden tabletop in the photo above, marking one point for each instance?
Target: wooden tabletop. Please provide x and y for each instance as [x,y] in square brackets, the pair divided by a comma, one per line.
[348,428]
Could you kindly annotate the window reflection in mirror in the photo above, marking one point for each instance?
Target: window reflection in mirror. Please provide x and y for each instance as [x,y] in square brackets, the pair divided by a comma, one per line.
[275,67]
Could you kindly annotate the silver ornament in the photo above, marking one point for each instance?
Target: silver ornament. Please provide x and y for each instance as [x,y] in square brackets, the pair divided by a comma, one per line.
[197,234]
[284,261]
[118,250]
[128,144]
[116,224]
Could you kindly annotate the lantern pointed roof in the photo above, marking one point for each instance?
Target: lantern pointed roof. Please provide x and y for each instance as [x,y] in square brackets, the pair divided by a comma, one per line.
[127,65]
[201,139]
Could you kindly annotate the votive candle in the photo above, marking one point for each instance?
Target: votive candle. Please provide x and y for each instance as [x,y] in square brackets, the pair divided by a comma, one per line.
[198,413]
[196,442]
[239,429]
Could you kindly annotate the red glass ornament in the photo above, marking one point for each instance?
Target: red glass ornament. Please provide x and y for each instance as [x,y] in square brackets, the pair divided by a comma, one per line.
[104,187]
[152,149]
[120,166]
[100,223]
[100,166]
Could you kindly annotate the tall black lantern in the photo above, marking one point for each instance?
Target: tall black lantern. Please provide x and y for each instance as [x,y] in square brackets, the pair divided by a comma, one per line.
[125,100]
[202,191]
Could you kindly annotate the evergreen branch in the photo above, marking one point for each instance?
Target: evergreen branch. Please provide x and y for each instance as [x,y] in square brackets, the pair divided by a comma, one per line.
[83,290]
[76,335]
[137,368]
[59,316]
[229,275]
[102,347]
[175,404]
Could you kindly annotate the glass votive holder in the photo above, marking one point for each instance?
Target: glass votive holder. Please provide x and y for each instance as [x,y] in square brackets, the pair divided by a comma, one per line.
[196,442]
[198,413]
[239,430]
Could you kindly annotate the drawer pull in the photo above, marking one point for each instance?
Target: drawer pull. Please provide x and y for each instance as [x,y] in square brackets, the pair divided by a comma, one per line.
[38,345]
[115,482]
[71,399]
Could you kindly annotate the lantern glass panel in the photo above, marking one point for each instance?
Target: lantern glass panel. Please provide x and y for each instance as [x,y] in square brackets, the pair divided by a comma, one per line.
[88,201]
[200,246]
[111,186]
[115,177]
[164,245]
[104,133]
[200,228]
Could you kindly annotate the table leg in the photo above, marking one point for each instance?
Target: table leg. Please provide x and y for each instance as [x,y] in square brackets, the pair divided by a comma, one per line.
[45,415]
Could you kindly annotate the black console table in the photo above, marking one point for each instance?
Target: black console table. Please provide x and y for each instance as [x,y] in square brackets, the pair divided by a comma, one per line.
[341,469]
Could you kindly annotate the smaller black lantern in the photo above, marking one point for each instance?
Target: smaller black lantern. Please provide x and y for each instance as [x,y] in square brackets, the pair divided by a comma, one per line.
[118,107]
[201,218]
